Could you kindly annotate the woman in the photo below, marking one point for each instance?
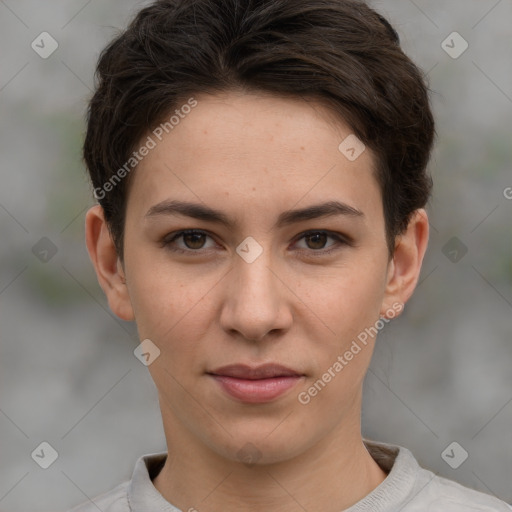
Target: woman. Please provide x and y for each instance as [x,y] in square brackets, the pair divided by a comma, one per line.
[260,168]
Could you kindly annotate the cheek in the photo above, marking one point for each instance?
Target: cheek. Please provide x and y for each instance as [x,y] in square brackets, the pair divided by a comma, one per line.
[349,309]
[163,296]
[347,300]
[172,310]
[164,308]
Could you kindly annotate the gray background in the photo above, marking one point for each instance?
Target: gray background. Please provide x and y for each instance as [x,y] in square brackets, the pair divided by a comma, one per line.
[68,376]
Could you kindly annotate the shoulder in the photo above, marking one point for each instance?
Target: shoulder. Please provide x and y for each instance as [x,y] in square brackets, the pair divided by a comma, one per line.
[444,495]
[115,500]
[137,493]
[412,488]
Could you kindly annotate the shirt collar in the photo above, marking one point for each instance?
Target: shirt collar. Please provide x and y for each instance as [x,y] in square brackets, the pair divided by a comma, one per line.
[397,489]
[142,494]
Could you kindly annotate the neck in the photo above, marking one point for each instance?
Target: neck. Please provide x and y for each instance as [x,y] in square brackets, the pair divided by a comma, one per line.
[332,475]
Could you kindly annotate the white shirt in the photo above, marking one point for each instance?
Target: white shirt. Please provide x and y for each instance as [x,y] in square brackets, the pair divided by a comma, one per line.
[407,488]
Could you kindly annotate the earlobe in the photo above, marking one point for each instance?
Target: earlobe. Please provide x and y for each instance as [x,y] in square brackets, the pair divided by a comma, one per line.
[405,267]
[106,263]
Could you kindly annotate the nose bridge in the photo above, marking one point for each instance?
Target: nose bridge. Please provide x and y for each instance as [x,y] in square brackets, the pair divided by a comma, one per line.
[254,273]
[255,303]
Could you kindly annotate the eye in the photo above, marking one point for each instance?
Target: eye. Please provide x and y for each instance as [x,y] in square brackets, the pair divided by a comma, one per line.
[194,241]
[316,240]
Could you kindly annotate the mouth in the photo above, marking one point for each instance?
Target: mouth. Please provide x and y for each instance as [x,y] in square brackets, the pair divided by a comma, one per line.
[256,384]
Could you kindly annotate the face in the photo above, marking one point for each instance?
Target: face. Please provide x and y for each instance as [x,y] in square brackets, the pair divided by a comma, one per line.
[265,286]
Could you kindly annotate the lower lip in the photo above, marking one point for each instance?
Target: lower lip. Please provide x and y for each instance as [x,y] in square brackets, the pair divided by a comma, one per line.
[256,391]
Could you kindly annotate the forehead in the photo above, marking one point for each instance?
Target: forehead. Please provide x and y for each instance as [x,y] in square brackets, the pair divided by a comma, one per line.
[256,152]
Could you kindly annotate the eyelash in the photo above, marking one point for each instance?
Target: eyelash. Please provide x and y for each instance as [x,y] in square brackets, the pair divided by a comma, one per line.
[340,241]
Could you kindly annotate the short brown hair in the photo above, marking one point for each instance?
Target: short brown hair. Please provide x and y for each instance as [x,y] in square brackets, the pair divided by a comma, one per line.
[339,52]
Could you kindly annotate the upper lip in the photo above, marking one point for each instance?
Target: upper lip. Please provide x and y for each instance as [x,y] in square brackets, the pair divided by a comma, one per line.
[265,371]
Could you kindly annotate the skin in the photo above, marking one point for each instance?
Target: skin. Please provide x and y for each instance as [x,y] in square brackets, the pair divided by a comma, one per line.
[254,156]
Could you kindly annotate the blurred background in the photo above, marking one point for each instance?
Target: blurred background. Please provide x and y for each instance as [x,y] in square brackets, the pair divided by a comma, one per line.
[441,373]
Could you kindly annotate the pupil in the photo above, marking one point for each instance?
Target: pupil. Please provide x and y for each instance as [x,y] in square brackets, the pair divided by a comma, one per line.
[189,236]
[323,235]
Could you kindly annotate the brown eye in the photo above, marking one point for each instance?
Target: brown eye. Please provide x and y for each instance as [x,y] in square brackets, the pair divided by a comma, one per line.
[317,240]
[193,241]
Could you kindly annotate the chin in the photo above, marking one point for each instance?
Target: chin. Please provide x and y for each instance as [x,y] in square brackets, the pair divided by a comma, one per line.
[260,449]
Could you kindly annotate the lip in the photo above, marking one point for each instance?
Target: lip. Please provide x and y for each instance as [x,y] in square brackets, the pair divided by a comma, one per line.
[255,384]
[264,371]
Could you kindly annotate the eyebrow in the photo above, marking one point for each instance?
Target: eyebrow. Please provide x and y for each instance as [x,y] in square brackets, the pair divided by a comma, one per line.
[205,213]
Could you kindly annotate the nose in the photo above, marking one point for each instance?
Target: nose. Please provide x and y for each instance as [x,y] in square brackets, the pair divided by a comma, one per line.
[257,299]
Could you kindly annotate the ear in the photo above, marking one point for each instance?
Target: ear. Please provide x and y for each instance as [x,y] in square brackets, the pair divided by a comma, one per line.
[405,267]
[109,269]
